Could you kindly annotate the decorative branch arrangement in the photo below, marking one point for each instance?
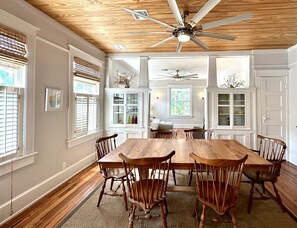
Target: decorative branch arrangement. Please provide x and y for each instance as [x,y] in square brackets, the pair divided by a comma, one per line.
[232,81]
[125,78]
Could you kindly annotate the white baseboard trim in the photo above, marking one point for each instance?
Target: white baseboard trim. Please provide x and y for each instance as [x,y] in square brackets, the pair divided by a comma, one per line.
[32,195]
[293,158]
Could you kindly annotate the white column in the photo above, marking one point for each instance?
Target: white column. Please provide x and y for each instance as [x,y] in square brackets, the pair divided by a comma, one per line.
[108,71]
[212,72]
[143,72]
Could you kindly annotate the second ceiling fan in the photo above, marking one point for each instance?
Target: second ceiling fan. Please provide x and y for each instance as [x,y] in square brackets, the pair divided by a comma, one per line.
[177,76]
[189,30]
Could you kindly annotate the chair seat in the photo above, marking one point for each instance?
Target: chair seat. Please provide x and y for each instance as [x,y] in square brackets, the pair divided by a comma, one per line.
[259,176]
[208,195]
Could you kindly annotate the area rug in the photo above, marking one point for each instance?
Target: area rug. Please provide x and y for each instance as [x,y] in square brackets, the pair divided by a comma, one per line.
[112,214]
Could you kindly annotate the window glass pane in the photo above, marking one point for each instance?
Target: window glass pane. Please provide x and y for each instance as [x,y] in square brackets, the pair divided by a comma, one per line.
[180,101]
[233,72]
[11,75]
[85,86]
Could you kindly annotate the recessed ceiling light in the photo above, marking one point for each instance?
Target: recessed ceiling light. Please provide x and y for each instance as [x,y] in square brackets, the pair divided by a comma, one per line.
[119,47]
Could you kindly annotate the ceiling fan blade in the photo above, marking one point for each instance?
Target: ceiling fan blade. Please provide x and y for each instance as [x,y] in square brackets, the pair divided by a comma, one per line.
[198,42]
[144,33]
[203,11]
[227,21]
[149,18]
[189,75]
[179,47]
[215,35]
[176,13]
[162,41]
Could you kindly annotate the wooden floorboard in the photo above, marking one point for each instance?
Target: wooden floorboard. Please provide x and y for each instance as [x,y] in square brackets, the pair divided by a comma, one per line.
[54,207]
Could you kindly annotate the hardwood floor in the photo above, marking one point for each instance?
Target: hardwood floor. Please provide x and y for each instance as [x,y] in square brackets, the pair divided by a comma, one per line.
[50,210]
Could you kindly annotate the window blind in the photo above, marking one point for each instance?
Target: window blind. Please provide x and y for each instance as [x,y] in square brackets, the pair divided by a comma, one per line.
[9,119]
[92,122]
[12,45]
[86,70]
[81,114]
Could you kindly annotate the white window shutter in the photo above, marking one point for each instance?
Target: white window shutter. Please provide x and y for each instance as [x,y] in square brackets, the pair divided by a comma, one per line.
[81,115]
[92,114]
[9,120]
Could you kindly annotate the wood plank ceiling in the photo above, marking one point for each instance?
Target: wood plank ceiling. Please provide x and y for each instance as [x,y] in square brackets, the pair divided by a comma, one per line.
[104,23]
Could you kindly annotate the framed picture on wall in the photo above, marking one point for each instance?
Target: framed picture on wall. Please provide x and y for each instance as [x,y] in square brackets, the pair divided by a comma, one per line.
[53,99]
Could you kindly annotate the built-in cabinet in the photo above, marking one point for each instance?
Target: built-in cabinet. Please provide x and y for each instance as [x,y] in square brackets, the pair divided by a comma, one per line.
[127,112]
[232,114]
[231,109]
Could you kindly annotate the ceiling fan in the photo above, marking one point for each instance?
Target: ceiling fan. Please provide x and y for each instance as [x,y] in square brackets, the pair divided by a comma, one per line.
[189,30]
[177,76]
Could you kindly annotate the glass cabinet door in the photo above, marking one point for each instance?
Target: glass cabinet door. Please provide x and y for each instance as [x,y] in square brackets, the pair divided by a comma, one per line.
[125,108]
[118,108]
[223,109]
[239,109]
[132,108]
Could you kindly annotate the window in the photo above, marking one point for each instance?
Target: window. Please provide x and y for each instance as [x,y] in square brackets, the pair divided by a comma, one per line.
[180,101]
[12,77]
[86,88]
[233,72]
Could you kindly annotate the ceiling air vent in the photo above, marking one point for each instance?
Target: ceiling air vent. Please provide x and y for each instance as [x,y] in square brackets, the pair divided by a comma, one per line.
[138,18]
[119,47]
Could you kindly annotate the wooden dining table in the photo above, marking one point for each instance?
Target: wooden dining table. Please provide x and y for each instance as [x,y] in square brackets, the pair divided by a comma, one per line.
[209,149]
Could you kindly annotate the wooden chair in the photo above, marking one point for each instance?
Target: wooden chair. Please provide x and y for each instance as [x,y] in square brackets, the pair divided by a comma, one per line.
[147,180]
[218,186]
[197,134]
[104,145]
[272,150]
[166,134]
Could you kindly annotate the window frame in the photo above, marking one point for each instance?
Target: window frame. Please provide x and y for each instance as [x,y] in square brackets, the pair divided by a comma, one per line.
[73,139]
[26,155]
[169,100]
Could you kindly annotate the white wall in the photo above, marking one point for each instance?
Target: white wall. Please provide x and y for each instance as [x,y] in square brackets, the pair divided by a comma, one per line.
[292,54]
[33,181]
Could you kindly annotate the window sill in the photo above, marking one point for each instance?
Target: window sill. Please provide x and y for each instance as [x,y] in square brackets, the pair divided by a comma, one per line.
[82,139]
[17,163]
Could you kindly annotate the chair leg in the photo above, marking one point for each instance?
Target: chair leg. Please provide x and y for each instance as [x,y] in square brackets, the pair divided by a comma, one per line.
[101,193]
[263,187]
[173,173]
[278,198]
[202,217]
[124,194]
[163,215]
[111,183]
[233,218]
[131,216]
[166,208]
[191,174]
[251,198]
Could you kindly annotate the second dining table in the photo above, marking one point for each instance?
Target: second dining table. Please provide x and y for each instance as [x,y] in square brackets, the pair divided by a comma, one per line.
[209,149]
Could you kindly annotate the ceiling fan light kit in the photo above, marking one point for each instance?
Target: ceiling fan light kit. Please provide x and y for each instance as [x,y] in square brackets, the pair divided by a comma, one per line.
[186,31]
